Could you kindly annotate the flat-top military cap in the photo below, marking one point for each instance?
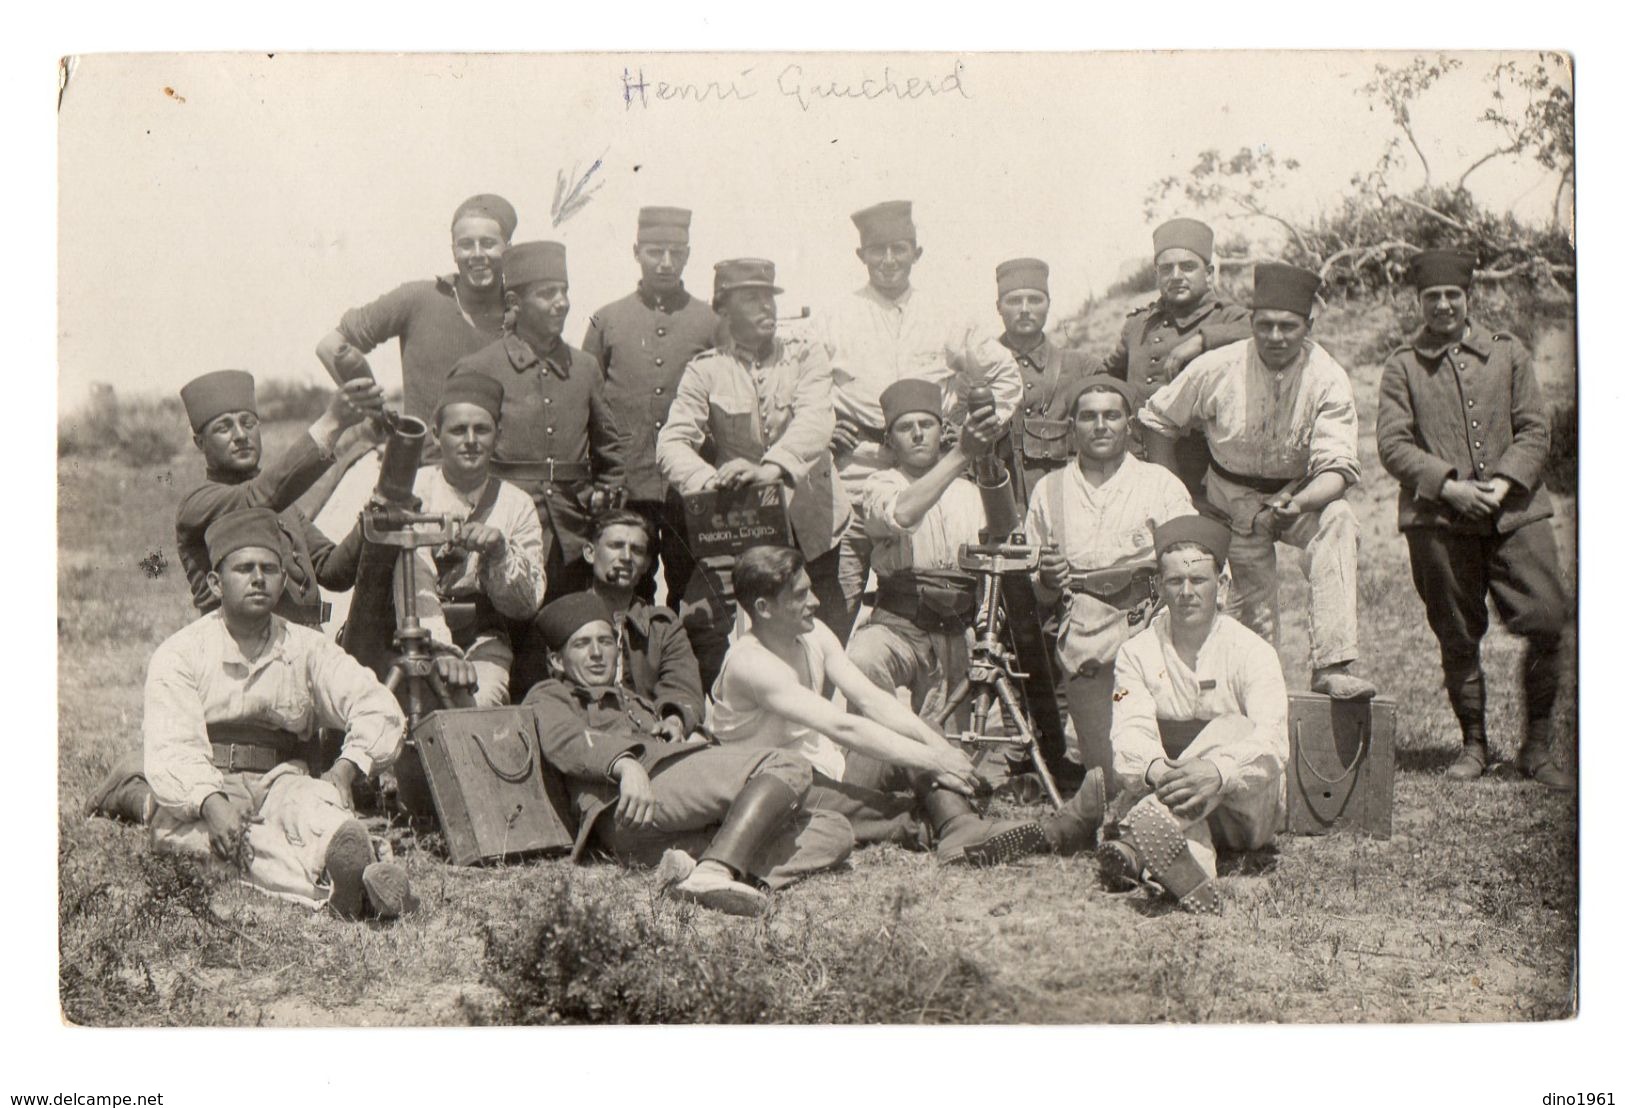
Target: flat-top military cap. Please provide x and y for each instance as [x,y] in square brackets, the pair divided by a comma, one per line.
[1433,268]
[1189,234]
[526,262]
[243,528]
[1209,534]
[1022,273]
[215,394]
[744,273]
[911,394]
[569,614]
[891,221]
[663,224]
[472,387]
[1286,288]
[490,206]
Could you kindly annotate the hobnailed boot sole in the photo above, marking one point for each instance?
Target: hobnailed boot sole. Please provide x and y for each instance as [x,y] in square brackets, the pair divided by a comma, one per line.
[1156,837]
[349,853]
[1120,867]
[389,892]
[1012,845]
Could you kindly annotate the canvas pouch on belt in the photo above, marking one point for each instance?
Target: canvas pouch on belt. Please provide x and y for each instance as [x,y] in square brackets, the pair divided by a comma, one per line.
[935,601]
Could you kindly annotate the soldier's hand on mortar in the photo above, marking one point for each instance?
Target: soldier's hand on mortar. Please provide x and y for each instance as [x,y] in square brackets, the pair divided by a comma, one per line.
[455,672]
[1468,498]
[342,776]
[846,437]
[980,431]
[1052,568]
[225,825]
[636,808]
[484,539]
[1190,789]
[951,770]
[355,401]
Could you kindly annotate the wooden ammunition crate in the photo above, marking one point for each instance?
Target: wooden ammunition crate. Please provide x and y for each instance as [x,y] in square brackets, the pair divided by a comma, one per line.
[1340,772]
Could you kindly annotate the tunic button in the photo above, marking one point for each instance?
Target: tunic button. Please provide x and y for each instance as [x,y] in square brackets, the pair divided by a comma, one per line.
[1475,423]
[1478,445]
[1470,404]
[547,400]
[660,332]
[1157,339]
[550,431]
[1030,385]
[659,391]
[1455,350]
[660,361]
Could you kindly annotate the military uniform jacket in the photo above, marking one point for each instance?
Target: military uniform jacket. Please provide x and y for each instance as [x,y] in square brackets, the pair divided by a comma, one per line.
[311,558]
[1469,410]
[553,412]
[779,411]
[1049,375]
[585,731]
[1150,332]
[643,341]
[658,663]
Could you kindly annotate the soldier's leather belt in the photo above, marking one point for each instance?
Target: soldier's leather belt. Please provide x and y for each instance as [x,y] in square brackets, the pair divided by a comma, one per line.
[931,602]
[1266,485]
[247,748]
[545,472]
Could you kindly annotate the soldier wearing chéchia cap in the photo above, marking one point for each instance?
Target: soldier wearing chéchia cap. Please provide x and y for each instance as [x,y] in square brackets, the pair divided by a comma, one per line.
[1462,426]
[233,705]
[1040,432]
[1199,729]
[560,442]
[644,796]
[1185,320]
[225,423]
[643,341]
[887,331]
[468,591]
[755,411]
[1278,412]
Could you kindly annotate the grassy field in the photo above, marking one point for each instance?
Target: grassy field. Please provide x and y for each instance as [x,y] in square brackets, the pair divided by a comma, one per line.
[1469,912]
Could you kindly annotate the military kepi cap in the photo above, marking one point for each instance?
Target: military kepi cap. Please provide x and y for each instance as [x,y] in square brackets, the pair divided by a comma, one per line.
[1022,273]
[1209,534]
[892,221]
[744,273]
[569,614]
[664,225]
[911,394]
[1286,288]
[1189,234]
[533,261]
[242,528]
[215,394]
[1433,268]
[472,387]
[489,206]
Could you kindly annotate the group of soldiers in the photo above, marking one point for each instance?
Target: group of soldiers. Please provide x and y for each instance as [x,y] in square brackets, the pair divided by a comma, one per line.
[703,736]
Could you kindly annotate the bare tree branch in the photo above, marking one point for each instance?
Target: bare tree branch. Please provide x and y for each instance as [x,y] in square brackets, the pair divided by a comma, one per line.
[1440,216]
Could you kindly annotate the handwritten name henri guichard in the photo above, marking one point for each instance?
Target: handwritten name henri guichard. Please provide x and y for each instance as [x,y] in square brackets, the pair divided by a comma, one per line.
[793,82]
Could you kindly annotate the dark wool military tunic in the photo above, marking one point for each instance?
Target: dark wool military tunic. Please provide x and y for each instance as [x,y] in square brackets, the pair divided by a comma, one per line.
[643,341]
[1150,332]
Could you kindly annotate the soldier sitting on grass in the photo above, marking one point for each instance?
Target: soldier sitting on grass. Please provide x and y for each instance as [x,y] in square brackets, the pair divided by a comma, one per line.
[233,704]
[643,796]
[1199,740]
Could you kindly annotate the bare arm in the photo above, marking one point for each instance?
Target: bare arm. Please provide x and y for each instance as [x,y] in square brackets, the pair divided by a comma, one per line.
[877,704]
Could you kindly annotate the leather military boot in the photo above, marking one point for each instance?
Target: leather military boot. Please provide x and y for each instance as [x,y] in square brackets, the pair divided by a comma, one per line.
[1152,836]
[1340,682]
[1469,764]
[389,892]
[349,854]
[757,813]
[1072,830]
[966,839]
[1535,758]
[124,793]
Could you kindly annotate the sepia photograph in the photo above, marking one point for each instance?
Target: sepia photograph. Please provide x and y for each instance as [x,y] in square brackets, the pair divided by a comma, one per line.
[817,539]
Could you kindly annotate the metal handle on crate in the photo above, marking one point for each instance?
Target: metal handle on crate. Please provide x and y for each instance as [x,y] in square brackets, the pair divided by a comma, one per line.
[1303,758]
[513,777]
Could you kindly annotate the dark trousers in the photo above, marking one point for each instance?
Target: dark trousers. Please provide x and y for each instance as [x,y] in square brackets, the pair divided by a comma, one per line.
[881,801]
[1454,573]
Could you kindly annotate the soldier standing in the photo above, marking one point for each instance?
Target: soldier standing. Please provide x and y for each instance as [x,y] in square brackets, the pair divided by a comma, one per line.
[1462,426]
[1040,431]
[643,341]
[1185,320]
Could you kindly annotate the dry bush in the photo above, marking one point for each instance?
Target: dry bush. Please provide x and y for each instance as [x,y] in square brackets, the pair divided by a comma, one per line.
[138,431]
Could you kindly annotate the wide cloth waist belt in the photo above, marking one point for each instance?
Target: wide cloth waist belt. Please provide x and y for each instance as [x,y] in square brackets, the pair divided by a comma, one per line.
[933,603]
[1178,734]
[248,748]
[1266,485]
[542,471]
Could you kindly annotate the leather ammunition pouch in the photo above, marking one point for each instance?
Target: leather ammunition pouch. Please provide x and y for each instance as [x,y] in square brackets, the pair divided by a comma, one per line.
[1123,587]
[1046,440]
[938,601]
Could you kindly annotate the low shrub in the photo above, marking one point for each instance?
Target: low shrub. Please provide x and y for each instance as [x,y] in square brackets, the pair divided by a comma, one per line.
[139,431]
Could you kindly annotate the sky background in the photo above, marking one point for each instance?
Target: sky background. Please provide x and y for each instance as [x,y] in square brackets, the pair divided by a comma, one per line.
[224,210]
